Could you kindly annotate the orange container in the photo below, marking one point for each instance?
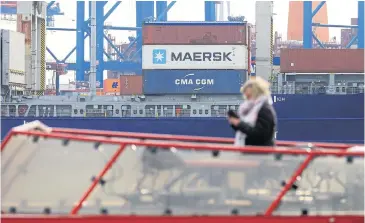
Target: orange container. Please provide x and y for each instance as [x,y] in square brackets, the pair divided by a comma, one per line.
[100,92]
[194,34]
[131,85]
[322,61]
[111,85]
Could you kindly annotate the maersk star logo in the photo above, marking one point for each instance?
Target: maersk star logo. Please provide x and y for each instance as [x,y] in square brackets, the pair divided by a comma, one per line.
[159,56]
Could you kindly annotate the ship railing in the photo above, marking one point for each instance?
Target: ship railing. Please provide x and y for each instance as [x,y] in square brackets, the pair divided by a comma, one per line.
[79,175]
[55,111]
[303,89]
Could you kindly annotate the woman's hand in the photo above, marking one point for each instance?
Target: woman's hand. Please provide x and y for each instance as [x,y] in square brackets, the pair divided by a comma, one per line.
[234,121]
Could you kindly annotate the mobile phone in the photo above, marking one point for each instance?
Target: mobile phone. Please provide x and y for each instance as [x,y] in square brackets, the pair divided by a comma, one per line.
[232,113]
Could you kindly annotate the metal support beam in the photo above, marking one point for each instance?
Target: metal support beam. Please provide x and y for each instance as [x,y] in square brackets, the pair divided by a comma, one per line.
[61,29]
[307,25]
[317,40]
[161,10]
[351,42]
[82,27]
[111,10]
[50,4]
[88,24]
[210,11]
[335,26]
[144,10]
[93,47]
[318,8]
[361,24]
[100,42]
[264,44]
[138,51]
[131,67]
[114,47]
[122,28]
[80,41]
[57,83]
[52,55]
[167,9]
[71,52]
[105,27]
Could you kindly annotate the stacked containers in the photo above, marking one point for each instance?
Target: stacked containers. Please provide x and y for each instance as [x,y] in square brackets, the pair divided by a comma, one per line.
[194,58]
[124,85]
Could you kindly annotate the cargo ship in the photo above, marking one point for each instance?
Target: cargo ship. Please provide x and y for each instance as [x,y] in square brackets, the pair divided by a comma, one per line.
[184,90]
[327,118]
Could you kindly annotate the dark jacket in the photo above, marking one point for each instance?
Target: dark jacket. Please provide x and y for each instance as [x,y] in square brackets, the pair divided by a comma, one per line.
[263,134]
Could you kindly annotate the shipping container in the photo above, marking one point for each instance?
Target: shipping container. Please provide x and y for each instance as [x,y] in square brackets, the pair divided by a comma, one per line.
[346,36]
[116,74]
[215,57]
[81,92]
[354,21]
[12,53]
[111,86]
[322,61]
[25,26]
[159,82]
[195,33]
[131,85]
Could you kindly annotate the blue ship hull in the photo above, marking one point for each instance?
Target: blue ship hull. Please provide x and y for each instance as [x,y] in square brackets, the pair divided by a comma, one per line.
[323,130]
[301,118]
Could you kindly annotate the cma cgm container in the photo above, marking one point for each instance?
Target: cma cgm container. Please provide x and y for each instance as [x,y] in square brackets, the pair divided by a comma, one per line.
[131,85]
[213,57]
[159,82]
[322,61]
[195,33]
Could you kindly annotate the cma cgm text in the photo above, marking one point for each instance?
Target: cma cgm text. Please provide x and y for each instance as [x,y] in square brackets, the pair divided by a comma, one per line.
[201,56]
[194,82]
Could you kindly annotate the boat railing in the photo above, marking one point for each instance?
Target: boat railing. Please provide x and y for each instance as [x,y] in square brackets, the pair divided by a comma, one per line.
[79,175]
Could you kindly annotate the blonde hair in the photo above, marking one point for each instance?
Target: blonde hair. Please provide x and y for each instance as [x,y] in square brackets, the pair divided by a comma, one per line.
[260,87]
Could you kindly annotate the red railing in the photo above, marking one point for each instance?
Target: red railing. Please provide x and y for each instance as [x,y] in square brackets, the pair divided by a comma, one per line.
[185,143]
[191,138]
[179,219]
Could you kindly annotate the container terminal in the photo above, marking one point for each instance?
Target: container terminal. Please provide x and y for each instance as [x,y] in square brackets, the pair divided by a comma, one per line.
[175,81]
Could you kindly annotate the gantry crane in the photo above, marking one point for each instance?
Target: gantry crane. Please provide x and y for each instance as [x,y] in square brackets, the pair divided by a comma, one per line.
[8,11]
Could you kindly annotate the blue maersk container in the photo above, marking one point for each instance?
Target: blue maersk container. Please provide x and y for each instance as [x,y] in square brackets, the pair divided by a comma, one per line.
[157,82]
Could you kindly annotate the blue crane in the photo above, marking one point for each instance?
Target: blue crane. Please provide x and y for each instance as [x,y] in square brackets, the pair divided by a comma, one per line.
[53,9]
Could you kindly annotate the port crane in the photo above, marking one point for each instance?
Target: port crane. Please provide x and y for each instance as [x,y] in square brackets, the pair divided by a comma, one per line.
[9,11]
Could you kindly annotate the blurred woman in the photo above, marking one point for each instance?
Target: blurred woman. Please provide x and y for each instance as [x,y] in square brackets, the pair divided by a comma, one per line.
[255,122]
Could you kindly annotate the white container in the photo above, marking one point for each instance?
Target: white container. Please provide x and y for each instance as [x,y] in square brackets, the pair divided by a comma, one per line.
[12,58]
[217,57]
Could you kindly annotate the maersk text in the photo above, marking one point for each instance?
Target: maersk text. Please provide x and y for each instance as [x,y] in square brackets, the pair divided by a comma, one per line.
[194,82]
[201,56]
